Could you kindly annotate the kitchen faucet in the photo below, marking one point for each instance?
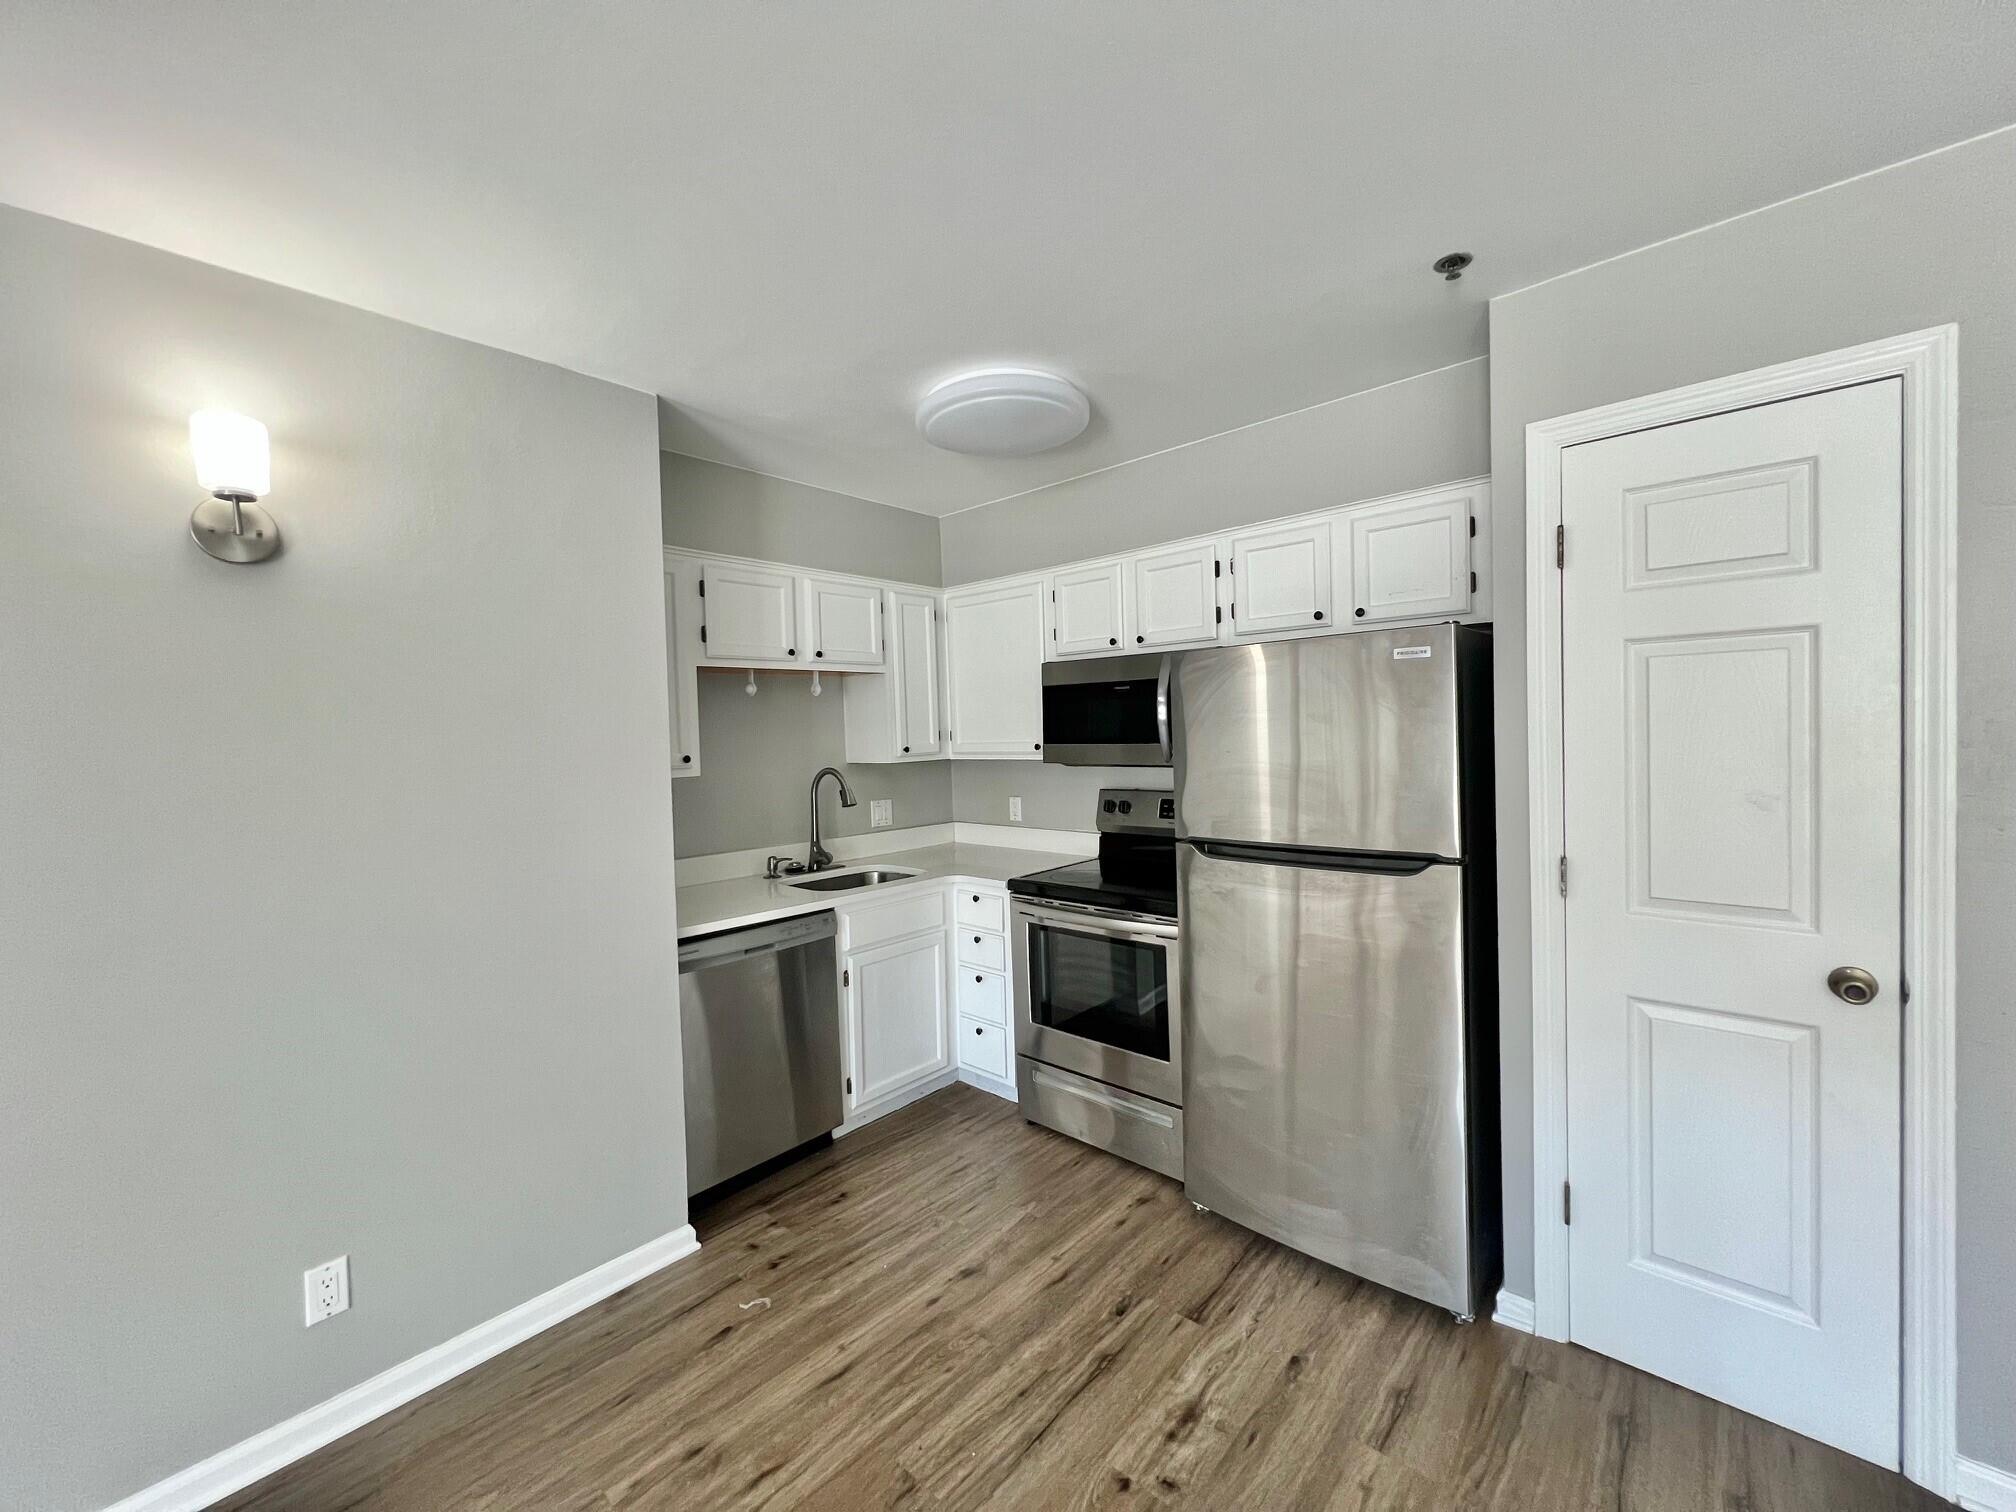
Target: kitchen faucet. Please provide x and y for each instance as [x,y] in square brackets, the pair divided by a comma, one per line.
[817,857]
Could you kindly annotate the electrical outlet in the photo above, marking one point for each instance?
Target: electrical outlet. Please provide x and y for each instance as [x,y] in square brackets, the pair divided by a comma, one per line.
[327,1289]
[881,813]
[1014,810]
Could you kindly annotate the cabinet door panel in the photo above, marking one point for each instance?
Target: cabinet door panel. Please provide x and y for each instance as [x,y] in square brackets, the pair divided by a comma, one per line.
[913,646]
[1410,560]
[1086,610]
[1281,580]
[751,614]
[896,1015]
[843,622]
[1176,597]
[994,670]
[682,634]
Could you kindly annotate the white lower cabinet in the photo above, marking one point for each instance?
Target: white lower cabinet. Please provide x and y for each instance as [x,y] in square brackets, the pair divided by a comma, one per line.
[897,1023]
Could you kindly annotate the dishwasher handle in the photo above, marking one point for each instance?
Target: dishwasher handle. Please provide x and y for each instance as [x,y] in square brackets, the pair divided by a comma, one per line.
[757,940]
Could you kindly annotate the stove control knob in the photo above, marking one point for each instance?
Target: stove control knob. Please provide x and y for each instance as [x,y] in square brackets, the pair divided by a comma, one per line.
[1107,806]
[1126,807]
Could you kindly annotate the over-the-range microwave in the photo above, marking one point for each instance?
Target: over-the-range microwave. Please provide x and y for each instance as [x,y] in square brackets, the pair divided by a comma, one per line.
[1107,711]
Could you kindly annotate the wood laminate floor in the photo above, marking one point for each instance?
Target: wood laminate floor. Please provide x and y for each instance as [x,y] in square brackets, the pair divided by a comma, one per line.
[965,1311]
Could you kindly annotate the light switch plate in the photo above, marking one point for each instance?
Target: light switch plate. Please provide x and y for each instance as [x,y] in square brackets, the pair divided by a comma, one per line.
[1014,810]
[881,813]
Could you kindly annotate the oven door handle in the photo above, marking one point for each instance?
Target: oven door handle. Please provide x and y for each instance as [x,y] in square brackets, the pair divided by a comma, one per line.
[1064,916]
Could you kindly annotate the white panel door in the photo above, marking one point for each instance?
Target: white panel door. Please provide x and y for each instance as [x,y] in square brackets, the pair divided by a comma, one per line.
[1175,597]
[751,614]
[1410,560]
[994,670]
[896,1013]
[1086,610]
[1281,580]
[682,633]
[913,650]
[1732,777]
[843,622]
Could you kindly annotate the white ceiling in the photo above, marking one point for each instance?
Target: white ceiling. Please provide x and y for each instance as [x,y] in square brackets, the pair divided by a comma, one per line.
[790,219]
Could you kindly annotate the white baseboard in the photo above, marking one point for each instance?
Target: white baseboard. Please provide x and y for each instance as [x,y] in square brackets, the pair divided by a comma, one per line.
[988,1083]
[253,1459]
[1983,1488]
[1021,837]
[1514,1311]
[867,1114]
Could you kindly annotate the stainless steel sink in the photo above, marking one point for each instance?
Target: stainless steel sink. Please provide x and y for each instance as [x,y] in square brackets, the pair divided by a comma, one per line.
[853,879]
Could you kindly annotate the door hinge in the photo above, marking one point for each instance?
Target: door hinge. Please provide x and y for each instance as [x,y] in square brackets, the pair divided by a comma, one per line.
[1562,874]
[1567,1205]
[1560,545]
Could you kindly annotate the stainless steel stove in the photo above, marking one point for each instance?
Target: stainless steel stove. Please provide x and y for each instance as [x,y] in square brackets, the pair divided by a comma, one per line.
[1098,1026]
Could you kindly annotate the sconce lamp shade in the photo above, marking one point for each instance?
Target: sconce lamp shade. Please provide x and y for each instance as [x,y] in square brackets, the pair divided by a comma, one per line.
[232,460]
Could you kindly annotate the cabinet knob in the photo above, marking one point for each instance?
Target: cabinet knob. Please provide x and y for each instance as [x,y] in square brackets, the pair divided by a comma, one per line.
[1360,613]
[976,939]
[906,750]
[822,653]
[1319,614]
[1111,642]
[1038,746]
[976,979]
[979,1031]
[1140,640]
[687,759]
[792,652]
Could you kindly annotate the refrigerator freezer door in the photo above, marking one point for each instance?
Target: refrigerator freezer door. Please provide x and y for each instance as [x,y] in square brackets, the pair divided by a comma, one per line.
[1324,1095]
[1345,742]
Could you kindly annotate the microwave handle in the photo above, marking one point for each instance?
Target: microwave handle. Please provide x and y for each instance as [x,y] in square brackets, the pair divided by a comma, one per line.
[1162,708]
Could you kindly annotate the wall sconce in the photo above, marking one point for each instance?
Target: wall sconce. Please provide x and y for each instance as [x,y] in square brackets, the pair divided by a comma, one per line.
[233,463]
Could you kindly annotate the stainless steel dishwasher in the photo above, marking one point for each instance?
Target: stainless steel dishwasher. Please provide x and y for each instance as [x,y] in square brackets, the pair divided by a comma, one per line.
[759,1016]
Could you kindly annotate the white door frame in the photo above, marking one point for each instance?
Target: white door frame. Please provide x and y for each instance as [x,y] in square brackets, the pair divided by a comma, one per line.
[1928,363]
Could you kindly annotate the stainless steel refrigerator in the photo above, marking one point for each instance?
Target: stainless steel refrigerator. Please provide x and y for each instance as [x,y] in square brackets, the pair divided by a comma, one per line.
[1334,873]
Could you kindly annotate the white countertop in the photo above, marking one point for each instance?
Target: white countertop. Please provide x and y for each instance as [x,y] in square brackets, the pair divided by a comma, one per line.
[709,906]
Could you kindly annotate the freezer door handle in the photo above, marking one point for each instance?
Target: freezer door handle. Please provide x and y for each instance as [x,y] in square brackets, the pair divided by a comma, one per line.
[1373,862]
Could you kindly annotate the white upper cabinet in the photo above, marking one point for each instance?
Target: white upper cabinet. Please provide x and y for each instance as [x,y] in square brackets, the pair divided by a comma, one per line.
[842,623]
[1086,610]
[913,632]
[1281,580]
[1174,597]
[1410,560]
[682,628]
[751,614]
[994,669]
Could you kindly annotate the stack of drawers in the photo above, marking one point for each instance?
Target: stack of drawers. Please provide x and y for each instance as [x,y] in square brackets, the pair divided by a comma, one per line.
[980,988]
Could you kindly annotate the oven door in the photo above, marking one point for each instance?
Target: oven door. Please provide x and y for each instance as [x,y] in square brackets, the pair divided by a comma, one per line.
[1110,711]
[1099,995]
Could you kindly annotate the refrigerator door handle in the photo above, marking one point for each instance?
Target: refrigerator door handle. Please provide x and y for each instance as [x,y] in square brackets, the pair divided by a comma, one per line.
[1375,862]
[1162,709]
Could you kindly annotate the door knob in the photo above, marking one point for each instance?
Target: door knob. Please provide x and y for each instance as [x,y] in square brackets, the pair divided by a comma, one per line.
[1852,984]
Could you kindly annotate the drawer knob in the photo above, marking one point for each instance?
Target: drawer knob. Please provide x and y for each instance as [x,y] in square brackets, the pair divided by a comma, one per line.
[976,939]
[979,1031]
[977,979]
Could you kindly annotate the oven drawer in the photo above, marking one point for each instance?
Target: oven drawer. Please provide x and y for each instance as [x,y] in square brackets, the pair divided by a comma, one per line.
[988,950]
[981,995]
[983,1047]
[1139,1129]
[982,910]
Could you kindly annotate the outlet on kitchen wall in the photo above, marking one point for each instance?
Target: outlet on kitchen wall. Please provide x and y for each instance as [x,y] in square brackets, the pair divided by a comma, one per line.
[327,1289]
[1014,810]
[881,813]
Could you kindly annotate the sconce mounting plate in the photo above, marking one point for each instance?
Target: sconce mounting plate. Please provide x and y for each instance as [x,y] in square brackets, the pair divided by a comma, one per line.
[241,532]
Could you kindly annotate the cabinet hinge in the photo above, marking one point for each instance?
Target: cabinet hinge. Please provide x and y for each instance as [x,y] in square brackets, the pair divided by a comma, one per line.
[1473,527]
[1217,568]
[703,587]
[846,980]
[1473,582]
[1567,1205]
[1560,545]
[703,635]
[1562,876]
[850,1086]
[1221,616]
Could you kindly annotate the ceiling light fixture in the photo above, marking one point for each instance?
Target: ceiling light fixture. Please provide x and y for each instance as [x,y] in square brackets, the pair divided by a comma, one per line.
[1003,412]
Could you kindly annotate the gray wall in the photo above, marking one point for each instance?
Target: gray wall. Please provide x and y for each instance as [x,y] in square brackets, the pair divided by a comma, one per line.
[1432,428]
[337,910]
[1918,245]
[1053,797]
[714,508]
[757,757]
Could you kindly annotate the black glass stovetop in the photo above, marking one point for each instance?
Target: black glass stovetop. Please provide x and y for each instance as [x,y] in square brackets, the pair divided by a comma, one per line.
[1134,875]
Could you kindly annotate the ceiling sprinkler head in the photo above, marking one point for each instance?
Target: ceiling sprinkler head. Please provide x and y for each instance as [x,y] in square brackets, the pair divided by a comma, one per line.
[1451,267]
